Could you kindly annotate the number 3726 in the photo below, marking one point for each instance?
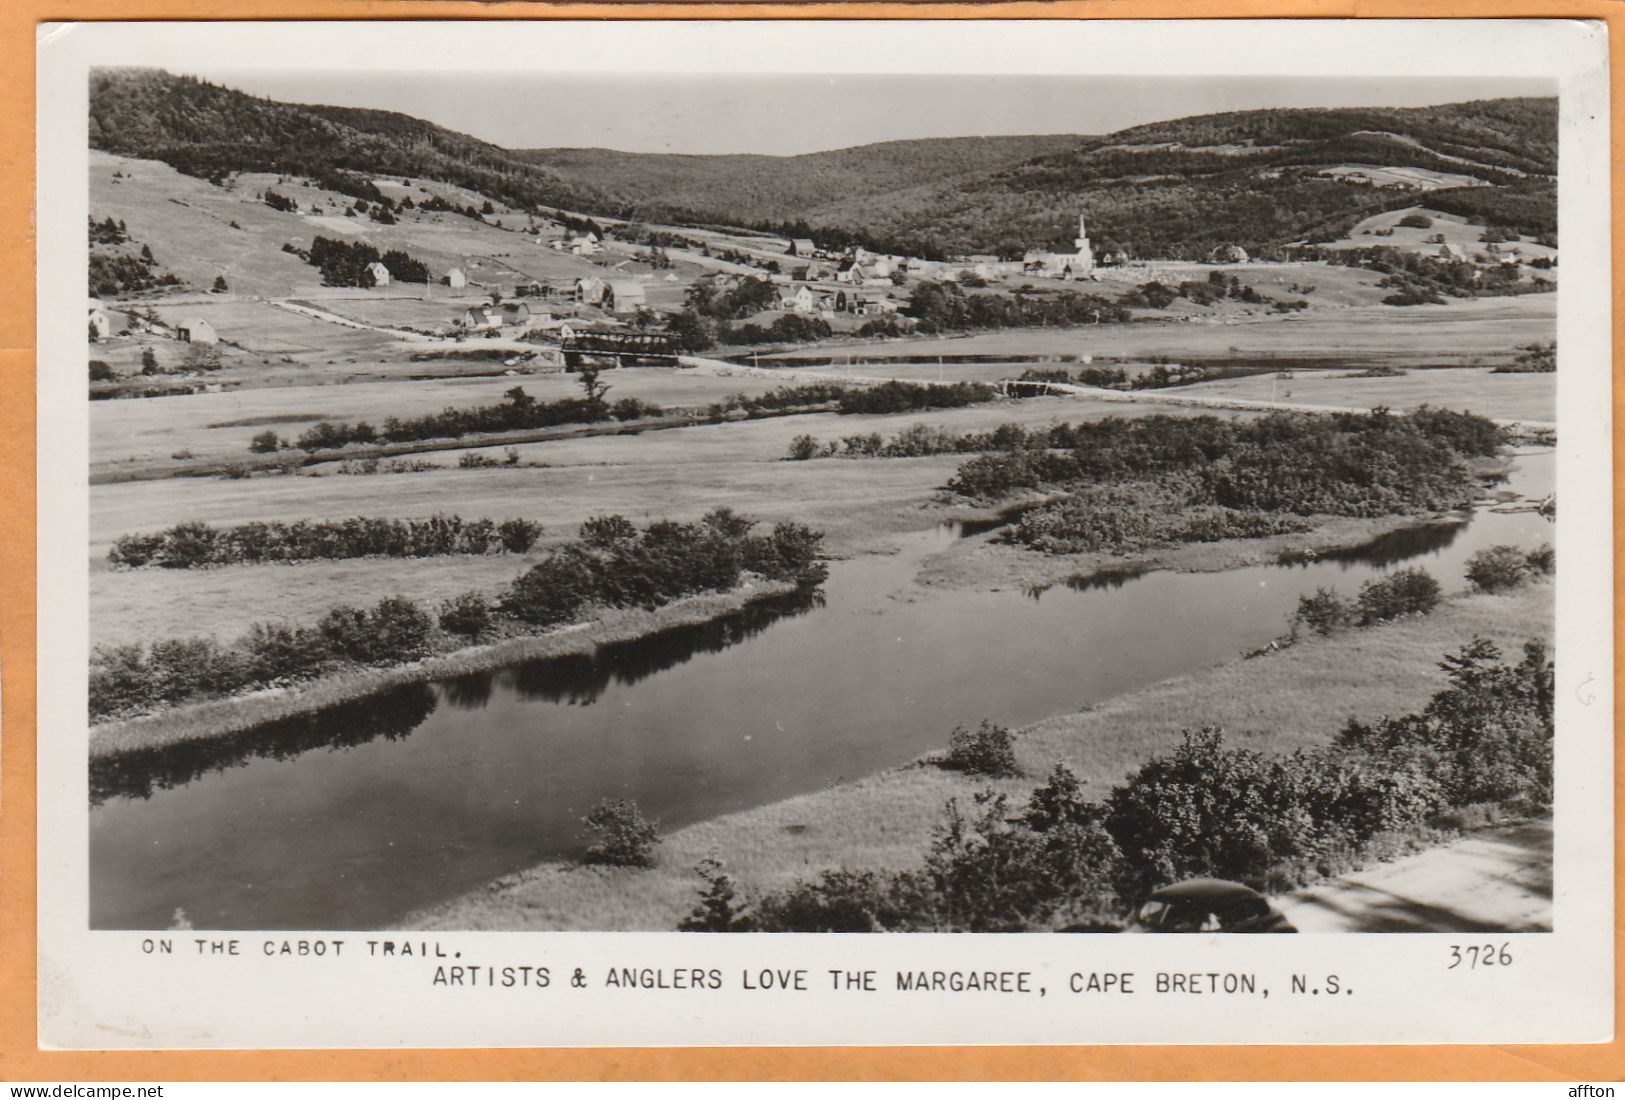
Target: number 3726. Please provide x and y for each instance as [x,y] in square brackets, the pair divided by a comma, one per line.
[1479,955]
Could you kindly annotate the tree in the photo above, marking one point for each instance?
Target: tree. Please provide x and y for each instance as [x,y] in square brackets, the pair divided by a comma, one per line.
[594,390]
[149,362]
[220,286]
[717,911]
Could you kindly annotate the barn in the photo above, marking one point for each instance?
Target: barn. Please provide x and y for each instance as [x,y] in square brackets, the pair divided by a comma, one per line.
[624,296]
[379,273]
[197,331]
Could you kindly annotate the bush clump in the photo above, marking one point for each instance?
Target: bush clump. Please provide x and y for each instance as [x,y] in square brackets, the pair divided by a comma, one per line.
[1401,593]
[1325,612]
[1498,569]
[988,750]
[622,837]
[128,679]
[467,615]
[616,565]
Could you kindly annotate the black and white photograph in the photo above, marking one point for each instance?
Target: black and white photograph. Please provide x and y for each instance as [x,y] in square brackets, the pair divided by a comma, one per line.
[761,498]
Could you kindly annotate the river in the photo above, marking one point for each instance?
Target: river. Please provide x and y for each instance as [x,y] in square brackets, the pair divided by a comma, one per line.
[355,816]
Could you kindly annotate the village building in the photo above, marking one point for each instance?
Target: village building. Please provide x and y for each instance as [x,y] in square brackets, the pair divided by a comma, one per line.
[624,296]
[515,313]
[455,279]
[481,318]
[197,331]
[803,247]
[851,271]
[864,303]
[1078,264]
[801,300]
[379,273]
[583,244]
[1229,254]
[101,324]
[590,290]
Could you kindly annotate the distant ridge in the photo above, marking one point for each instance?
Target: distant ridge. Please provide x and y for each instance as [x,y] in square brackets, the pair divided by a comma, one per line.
[1259,179]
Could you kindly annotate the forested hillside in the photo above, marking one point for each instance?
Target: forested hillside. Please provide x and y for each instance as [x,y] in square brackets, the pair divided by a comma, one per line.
[768,188]
[1176,189]
[1260,179]
[208,130]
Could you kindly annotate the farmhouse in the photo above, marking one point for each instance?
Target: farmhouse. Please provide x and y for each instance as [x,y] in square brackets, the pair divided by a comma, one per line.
[590,289]
[455,279]
[197,331]
[101,325]
[481,318]
[515,313]
[801,300]
[851,271]
[624,296]
[379,273]
[1229,254]
[802,247]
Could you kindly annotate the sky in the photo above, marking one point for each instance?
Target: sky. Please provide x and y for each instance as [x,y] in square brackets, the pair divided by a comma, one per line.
[790,114]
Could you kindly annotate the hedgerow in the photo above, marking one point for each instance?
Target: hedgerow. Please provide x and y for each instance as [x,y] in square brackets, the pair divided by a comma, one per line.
[613,564]
[518,411]
[193,545]
[887,397]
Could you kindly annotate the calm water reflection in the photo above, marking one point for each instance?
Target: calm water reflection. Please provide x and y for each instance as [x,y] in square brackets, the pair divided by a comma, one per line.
[355,816]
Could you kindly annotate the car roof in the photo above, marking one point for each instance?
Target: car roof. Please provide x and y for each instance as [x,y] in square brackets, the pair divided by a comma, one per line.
[1204,889]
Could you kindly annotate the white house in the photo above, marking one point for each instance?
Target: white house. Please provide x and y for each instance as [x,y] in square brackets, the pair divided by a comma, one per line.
[379,273]
[456,279]
[481,318]
[590,289]
[801,300]
[101,324]
[197,331]
[802,246]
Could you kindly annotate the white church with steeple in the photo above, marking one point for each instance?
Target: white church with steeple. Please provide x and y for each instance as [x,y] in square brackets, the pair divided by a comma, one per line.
[1078,264]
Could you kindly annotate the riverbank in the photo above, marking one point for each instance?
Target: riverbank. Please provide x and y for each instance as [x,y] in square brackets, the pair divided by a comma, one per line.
[983,562]
[1295,698]
[222,717]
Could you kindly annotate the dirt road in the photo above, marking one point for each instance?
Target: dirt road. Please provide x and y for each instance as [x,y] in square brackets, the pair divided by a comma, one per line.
[1496,880]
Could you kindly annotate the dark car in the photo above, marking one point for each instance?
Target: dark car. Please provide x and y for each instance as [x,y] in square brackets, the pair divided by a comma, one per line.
[1208,905]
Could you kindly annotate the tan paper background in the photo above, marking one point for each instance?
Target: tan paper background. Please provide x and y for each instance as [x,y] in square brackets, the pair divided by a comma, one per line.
[20,1059]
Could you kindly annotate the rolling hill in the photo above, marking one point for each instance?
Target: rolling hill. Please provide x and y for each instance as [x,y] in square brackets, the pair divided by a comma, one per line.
[207,130]
[1175,189]
[1260,179]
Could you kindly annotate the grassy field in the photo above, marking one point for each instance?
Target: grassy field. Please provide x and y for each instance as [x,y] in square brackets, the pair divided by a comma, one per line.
[218,426]
[677,474]
[1456,334]
[1296,698]
[1505,396]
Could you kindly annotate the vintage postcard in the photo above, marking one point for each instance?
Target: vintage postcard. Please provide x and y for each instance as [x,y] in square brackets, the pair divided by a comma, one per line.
[571,531]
